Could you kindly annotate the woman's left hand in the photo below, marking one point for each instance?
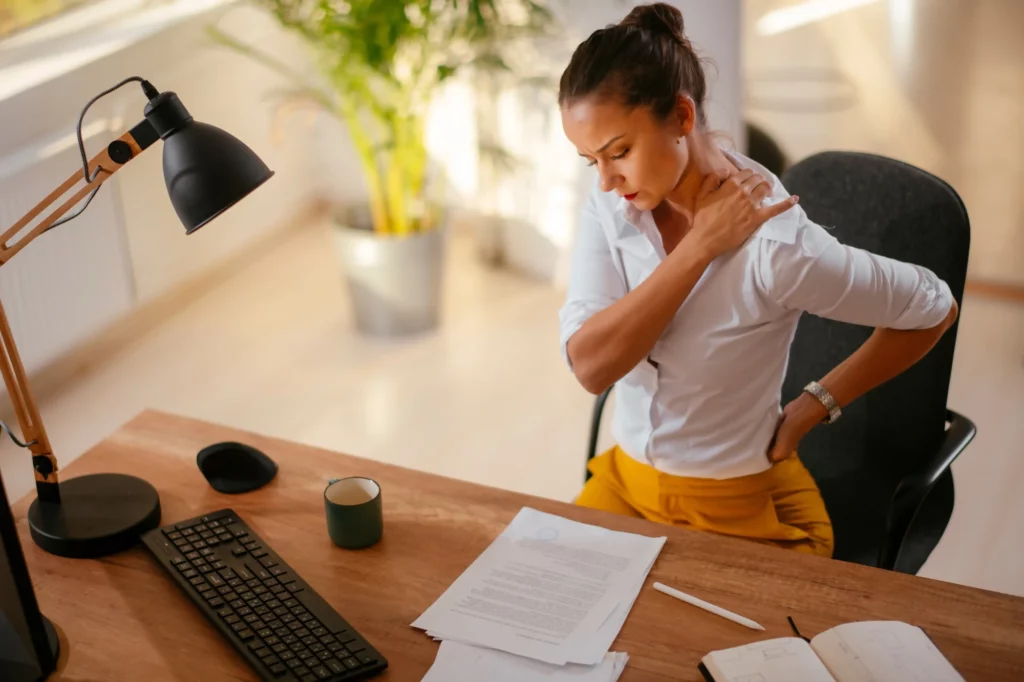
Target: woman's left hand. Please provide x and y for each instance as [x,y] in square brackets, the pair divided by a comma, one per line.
[798,418]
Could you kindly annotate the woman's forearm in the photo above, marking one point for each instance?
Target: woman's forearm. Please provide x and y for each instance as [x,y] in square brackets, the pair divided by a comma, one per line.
[886,354]
[615,339]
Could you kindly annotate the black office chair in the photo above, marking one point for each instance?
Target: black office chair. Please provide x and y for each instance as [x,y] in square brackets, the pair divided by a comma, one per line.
[884,467]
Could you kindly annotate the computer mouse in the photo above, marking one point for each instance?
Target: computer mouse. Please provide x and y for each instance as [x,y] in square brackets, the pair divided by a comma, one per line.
[234,468]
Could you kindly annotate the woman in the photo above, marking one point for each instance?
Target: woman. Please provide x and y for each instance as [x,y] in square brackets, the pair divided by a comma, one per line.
[692,268]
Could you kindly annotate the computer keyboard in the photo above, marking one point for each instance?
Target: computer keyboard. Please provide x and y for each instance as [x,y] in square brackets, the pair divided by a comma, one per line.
[278,623]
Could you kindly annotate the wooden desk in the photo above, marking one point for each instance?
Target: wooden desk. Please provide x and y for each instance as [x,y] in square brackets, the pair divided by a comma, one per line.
[121,618]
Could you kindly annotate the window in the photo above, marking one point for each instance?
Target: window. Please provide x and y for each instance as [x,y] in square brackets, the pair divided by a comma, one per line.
[16,15]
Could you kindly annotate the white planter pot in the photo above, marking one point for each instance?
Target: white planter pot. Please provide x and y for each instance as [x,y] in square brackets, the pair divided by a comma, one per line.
[394,282]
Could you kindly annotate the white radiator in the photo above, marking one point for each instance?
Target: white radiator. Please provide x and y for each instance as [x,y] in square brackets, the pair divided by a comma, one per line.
[75,280]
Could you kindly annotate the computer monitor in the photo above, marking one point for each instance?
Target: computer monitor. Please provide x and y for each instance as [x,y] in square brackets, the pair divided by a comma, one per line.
[28,642]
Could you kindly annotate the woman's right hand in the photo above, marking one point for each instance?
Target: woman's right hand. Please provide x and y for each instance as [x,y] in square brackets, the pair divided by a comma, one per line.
[729,210]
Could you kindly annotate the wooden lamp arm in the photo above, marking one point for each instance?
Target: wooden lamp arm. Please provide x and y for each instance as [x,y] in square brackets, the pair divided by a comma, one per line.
[101,168]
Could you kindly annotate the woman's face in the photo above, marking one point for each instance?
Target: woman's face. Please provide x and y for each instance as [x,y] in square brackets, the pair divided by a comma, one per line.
[636,155]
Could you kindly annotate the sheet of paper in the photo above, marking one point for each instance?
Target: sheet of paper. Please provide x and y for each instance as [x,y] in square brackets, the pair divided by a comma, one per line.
[883,651]
[457,661]
[602,640]
[543,588]
[775,660]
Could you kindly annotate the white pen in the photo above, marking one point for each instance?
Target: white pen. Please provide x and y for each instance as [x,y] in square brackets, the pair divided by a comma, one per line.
[701,604]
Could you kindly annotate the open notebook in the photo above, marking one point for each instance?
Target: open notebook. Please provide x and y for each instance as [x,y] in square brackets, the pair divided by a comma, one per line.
[871,651]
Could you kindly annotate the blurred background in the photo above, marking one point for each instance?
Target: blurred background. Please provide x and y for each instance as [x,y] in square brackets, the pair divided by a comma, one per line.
[393,292]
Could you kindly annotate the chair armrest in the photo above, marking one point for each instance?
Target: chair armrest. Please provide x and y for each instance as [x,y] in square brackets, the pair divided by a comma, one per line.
[914,488]
[595,428]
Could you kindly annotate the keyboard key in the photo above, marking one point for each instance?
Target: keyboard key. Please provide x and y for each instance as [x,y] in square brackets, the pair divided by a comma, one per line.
[320,632]
[278,589]
[207,534]
[335,666]
[226,589]
[238,551]
[252,584]
[227,573]
[288,618]
[214,524]
[238,604]
[278,669]
[199,544]
[172,535]
[294,587]
[336,647]
[365,658]
[191,554]
[286,654]
[217,565]
[308,678]
[262,610]
[238,627]
[178,560]
[328,640]
[201,561]
[305,617]
[260,590]
[270,660]
[216,602]
[309,641]
[226,612]
[279,611]
[317,648]
[350,663]
[201,527]
[278,648]
[298,647]
[324,655]
[268,562]
[262,574]
[250,618]
[270,582]
[297,667]
[246,635]
[244,611]
[244,574]
[259,553]
[254,603]
[238,532]
[277,570]
[198,580]
[251,546]
[302,632]
[206,569]
[206,552]
[224,537]
[265,632]
[271,640]
[321,672]
[260,653]
[190,573]
[216,580]
[344,637]
[292,603]
[232,619]
[255,644]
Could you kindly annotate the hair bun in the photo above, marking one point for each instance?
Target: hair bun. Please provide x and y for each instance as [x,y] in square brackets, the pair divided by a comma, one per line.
[658,17]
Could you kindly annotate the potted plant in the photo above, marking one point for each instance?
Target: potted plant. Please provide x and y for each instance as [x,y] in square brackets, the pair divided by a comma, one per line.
[380,63]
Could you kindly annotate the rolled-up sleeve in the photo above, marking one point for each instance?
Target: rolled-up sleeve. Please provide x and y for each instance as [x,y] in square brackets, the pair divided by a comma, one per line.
[594,281]
[819,275]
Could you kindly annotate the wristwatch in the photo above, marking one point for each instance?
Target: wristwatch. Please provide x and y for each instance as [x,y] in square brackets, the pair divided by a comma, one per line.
[826,399]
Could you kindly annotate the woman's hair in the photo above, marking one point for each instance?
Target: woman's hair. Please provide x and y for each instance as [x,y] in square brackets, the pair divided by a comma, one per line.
[644,60]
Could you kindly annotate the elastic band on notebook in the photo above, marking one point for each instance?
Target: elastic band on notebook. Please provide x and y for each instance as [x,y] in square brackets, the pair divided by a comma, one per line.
[793,625]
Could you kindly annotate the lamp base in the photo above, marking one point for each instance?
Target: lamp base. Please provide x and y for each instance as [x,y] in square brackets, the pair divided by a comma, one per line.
[98,515]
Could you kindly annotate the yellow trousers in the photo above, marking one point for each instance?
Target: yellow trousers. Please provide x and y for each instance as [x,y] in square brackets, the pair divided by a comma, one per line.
[781,506]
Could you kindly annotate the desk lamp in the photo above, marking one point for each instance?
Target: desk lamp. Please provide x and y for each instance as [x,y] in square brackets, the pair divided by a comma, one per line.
[206,171]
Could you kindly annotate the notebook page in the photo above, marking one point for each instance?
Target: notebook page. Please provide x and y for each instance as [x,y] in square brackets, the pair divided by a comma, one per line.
[882,651]
[774,660]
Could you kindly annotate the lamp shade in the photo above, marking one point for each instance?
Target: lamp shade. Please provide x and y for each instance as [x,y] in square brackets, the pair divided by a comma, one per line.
[206,169]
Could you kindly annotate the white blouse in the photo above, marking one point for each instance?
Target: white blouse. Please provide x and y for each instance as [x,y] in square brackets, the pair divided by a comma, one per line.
[706,402]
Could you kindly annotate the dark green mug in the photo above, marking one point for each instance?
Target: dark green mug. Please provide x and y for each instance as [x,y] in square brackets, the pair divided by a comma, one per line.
[355,517]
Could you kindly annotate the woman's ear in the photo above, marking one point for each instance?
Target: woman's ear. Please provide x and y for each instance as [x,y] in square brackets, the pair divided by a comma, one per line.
[686,114]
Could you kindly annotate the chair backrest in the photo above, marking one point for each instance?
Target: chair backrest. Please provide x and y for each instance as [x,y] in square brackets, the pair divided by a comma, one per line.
[899,211]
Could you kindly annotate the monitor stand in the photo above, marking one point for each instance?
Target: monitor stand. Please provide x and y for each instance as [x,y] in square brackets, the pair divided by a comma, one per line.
[17,664]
